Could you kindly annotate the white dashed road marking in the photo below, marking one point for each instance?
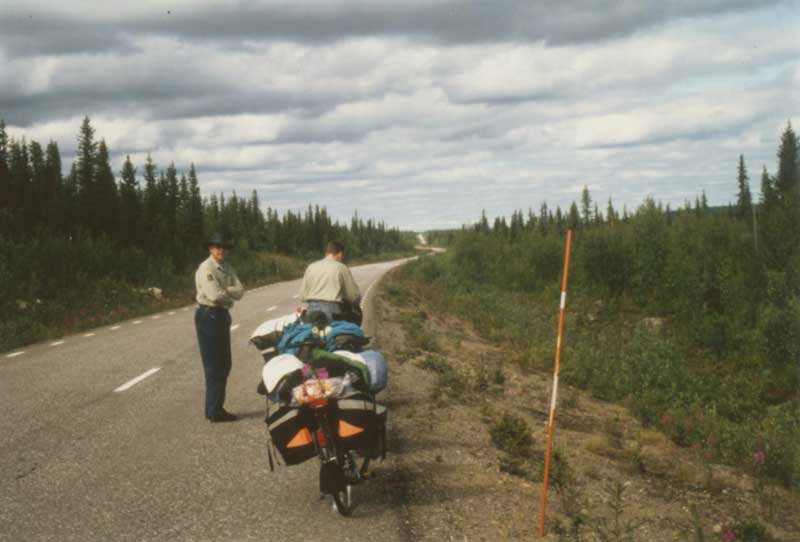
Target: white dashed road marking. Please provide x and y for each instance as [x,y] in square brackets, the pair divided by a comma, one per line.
[57,343]
[234,327]
[89,335]
[115,328]
[272,308]
[137,321]
[15,354]
[130,383]
[295,296]
[171,313]
[156,317]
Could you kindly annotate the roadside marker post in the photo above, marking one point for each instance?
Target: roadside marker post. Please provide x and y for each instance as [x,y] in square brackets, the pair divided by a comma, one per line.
[551,422]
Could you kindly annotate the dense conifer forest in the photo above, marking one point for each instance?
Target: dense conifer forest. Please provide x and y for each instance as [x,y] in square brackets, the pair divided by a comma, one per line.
[75,249]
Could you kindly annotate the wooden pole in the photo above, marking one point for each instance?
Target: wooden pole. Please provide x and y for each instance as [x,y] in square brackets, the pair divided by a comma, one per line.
[551,423]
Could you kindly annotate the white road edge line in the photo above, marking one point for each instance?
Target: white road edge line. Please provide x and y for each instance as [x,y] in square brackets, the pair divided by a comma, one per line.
[15,354]
[366,294]
[57,343]
[130,383]
[272,308]
[234,327]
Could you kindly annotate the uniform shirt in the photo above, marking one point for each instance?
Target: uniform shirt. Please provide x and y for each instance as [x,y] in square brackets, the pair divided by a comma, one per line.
[329,280]
[217,284]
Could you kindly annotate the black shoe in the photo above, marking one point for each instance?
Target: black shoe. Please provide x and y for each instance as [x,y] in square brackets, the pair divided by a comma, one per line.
[224,416]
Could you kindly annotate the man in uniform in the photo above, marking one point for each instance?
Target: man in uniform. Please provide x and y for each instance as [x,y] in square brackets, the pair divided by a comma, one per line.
[328,285]
[217,288]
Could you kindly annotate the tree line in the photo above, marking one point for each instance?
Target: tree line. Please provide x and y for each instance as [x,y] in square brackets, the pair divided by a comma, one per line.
[159,210]
[722,271]
[690,314]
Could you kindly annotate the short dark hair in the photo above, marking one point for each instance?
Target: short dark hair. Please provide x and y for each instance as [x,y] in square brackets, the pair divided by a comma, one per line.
[334,247]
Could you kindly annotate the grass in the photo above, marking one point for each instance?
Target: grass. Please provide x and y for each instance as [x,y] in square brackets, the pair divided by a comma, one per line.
[94,303]
[449,381]
[613,351]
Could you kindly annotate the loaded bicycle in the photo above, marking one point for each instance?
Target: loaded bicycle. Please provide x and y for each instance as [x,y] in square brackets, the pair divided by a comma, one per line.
[321,402]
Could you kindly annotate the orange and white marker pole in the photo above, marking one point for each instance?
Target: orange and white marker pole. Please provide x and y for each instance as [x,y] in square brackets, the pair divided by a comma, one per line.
[551,423]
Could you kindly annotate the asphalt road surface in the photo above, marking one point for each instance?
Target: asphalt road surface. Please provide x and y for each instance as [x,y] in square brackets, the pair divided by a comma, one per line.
[102,437]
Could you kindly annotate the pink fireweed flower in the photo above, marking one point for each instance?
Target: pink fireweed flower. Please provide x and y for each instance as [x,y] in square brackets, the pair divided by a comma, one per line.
[728,535]
[759,457]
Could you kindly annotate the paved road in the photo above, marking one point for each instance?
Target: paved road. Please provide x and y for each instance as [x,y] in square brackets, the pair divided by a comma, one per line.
[81,461]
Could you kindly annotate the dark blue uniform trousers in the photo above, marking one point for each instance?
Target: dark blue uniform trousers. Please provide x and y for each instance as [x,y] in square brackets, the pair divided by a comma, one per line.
[213,326]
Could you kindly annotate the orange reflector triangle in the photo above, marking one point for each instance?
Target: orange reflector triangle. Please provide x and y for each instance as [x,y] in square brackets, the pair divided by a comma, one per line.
[348,430]
[302,438]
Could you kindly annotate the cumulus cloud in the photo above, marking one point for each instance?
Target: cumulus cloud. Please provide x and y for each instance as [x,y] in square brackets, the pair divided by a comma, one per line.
[418,113]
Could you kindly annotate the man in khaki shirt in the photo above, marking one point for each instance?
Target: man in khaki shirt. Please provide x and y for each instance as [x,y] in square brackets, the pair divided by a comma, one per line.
[328,285]
[217,289]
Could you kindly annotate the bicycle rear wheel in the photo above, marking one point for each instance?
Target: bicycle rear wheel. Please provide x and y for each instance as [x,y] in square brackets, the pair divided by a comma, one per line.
[343,500]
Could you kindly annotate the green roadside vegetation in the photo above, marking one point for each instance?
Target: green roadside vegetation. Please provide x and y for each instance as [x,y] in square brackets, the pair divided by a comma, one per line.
[691,318]
[82,250]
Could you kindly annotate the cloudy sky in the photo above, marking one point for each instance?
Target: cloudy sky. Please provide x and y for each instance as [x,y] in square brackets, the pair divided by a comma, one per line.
[417,112]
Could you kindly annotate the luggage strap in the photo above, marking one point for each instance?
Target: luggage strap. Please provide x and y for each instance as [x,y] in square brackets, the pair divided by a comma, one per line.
[271,452]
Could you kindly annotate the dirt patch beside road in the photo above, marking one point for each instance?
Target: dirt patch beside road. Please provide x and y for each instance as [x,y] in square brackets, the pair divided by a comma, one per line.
[467,435]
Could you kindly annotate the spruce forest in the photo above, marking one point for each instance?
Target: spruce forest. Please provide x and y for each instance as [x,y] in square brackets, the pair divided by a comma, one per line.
[78,250]
[691,316]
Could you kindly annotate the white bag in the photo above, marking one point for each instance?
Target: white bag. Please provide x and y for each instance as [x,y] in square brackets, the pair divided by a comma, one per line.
[277,369]
[269,333]
[376,366]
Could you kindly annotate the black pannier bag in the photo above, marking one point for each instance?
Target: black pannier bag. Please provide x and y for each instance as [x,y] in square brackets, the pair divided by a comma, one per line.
[290,429]
[362,424]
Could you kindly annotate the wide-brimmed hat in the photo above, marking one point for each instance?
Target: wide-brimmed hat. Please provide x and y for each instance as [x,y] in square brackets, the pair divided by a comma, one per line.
[219,240]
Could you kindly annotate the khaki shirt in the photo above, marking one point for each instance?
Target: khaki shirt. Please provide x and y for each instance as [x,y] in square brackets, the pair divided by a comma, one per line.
[217,284]
[329,280]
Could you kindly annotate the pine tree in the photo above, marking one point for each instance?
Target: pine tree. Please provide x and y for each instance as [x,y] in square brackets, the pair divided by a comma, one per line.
[544,218]
[483,225]
[84,176]
[195,207]
[171,199]
[130,204]
[744,201]
[586,205]
[5,177]
[56,204]
[20,174]
[107,204]
[152,201]
[36,203]
[787,180]
[573,219]
[611,216]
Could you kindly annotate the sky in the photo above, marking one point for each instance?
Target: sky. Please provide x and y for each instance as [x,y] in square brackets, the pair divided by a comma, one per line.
[420,113]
